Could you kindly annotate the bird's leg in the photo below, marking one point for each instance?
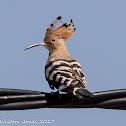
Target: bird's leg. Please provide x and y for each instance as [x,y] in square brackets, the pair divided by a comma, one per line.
[57,92]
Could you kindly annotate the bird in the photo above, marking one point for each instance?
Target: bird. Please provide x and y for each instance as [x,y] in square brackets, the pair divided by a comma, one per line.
[62,71]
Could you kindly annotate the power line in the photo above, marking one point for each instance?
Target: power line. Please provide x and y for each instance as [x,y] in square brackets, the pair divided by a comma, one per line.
[17,99]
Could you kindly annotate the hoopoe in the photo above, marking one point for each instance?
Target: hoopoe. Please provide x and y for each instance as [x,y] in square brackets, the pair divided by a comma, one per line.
[61,70]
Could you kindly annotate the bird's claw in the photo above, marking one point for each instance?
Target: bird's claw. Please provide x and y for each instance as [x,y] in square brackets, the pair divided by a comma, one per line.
[57,92]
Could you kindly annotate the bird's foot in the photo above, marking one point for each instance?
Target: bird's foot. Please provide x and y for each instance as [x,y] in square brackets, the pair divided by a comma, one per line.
[57,92]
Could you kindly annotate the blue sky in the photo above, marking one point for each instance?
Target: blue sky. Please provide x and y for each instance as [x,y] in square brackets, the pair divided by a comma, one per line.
[99,44]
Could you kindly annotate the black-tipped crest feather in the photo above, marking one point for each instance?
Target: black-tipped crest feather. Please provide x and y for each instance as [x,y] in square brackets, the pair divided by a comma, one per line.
[58,18]
[65,31]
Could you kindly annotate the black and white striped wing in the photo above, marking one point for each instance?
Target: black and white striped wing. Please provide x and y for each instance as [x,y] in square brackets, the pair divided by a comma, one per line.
[78,73]
[62,74]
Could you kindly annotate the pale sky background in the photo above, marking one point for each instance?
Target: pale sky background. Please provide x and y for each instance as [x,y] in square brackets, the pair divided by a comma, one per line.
[99,44]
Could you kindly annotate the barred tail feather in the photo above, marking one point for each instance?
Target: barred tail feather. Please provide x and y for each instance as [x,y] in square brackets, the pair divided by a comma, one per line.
[82,92]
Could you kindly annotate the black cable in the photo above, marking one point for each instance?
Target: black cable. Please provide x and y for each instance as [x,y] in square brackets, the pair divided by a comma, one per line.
[16,99]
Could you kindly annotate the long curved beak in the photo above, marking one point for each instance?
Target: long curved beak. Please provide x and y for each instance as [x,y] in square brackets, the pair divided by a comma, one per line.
[38,44]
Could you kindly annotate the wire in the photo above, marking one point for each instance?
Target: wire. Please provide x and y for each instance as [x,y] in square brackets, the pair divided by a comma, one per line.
[17,99]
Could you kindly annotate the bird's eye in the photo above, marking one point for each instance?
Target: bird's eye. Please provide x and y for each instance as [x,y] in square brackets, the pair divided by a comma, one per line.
[53,40]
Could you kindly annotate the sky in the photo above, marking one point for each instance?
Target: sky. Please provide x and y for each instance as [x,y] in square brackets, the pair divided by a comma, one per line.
[99,44]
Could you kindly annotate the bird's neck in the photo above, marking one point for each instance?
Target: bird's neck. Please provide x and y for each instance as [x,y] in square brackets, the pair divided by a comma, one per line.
[59,52]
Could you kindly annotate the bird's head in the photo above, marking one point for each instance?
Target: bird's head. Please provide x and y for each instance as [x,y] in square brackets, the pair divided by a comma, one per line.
[55,37]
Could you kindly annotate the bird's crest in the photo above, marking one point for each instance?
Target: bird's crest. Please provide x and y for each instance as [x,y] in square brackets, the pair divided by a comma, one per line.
[64,31]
